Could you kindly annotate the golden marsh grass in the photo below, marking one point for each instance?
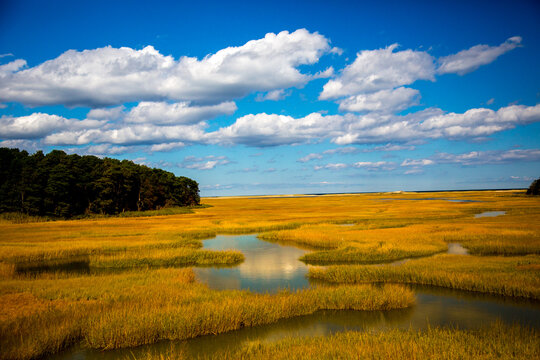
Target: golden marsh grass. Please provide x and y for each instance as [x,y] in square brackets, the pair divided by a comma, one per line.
[494,342]
[151,300]
[141,307]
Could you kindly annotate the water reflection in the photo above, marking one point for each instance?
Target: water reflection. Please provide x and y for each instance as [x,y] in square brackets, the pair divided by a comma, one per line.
[267,266]
[77,265]
[457,249]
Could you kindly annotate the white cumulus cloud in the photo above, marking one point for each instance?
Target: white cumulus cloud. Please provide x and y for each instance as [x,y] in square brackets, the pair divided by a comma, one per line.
[375,70]
[38,125]
[163,113]
[113,76]
[273,130]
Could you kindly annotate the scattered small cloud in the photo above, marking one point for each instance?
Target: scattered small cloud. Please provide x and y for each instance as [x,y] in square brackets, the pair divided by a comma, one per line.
[216,187]
[489,157]
[471,59]
[273,95]
[167,146]
[341,150]
[203,163]
[375,166]
[310,157]
[100,150]
[335,166]
[417,162]
[521,178]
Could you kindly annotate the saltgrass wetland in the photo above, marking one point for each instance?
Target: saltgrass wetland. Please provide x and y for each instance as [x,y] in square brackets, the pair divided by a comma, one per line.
[48,311]
[508,276]
[46,314]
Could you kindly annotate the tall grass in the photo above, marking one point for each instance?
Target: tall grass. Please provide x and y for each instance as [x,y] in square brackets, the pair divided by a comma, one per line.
[134,308]
[516,276]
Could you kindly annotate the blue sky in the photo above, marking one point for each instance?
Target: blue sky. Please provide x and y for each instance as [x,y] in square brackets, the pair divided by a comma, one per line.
[281,97]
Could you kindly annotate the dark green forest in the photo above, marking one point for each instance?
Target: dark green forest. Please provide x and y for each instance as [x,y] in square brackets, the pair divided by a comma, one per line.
[534,189]
[62,185]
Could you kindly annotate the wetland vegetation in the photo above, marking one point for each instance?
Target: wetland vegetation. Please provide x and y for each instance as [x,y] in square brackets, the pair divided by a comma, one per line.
[136,284]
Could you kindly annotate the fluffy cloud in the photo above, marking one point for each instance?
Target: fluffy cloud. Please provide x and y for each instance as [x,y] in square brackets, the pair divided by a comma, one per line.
[480,122]
[389,101]
[263,129]
[167,146]
[11,67]
[272,130]
[375,70]
[109,114]
[375,80]
[162,113]
[471,59]
[38,125]
[28,145]
[109,76]
[163,125]
[100,150]
[129,135]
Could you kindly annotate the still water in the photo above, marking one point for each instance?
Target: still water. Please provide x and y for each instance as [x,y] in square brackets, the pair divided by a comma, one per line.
[490,214]
[270,266]
[267,267]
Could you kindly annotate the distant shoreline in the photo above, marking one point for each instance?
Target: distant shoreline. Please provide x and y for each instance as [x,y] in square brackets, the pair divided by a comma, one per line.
[358,193]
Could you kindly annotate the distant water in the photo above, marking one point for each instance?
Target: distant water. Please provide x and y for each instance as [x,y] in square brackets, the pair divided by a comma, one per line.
[421,199]
[490,214]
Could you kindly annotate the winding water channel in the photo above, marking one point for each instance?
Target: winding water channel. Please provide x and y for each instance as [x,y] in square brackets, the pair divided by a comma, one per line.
[270,266]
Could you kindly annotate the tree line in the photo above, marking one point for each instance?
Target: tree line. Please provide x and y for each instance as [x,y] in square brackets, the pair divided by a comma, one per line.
[534,189]
[62,185]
